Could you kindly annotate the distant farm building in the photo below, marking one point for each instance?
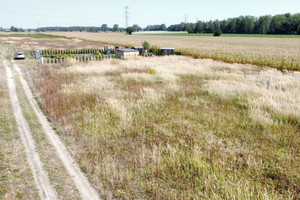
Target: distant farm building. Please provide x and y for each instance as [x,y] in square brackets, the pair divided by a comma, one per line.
[126,53]
[140,49]
[167,51]
[119,47]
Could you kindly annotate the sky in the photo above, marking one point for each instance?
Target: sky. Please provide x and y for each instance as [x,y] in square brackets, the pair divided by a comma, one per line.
[42,13]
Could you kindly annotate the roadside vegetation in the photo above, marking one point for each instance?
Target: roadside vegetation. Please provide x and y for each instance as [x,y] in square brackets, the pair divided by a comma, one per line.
[178,128]
[279,53]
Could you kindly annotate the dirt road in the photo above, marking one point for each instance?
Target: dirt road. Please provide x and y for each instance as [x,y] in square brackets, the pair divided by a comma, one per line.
[41,178]
[83,185]
[47,188]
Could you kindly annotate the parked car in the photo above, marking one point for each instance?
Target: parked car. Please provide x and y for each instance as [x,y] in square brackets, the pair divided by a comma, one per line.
[20,55]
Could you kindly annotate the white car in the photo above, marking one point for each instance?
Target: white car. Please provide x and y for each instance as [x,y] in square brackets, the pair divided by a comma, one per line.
[20,55]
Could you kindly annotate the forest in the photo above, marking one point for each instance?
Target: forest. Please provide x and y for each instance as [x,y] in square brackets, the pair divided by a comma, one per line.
[278,24]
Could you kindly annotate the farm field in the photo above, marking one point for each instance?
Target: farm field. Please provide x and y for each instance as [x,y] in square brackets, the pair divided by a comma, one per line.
[163,33]
[280,53]
[162,127]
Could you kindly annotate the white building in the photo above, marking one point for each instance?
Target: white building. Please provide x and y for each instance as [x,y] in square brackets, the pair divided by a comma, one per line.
[126,53]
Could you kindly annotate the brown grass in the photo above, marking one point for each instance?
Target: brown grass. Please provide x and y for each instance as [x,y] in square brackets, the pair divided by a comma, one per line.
[178,128]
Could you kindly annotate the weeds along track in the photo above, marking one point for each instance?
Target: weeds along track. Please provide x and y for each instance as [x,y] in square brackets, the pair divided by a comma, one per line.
[85,189]
[41,178]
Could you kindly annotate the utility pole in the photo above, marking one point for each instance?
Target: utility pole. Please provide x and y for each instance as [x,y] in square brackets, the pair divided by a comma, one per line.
[126,16]
[185,18]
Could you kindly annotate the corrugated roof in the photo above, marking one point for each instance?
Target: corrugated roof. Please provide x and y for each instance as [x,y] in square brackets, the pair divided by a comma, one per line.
[127,50]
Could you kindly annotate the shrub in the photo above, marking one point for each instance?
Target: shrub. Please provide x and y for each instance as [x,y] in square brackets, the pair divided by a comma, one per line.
[151,71]
[146,45]
[155,50]
[217,32]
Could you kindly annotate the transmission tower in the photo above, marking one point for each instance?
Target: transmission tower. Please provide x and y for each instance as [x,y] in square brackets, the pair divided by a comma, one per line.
[126,16]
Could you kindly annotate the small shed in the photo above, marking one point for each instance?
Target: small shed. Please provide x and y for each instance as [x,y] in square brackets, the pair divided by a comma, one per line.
[140,49]
[127,53]
[167,51]
[119,47]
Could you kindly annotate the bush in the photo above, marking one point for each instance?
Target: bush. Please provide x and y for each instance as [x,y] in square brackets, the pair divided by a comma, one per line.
[146,45]
[155,50]
[217,32]
[151,71]
[130,30]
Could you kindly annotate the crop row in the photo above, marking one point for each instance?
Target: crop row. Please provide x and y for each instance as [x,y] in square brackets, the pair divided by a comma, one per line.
[263,61]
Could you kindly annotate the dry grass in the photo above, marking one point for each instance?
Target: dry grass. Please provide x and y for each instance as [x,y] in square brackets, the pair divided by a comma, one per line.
[281,53]
[29,44]
[178,128]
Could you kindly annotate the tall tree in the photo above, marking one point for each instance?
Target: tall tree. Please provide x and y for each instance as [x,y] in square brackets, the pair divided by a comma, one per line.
[262,25]
[137,27]
[104,27]
[115,28]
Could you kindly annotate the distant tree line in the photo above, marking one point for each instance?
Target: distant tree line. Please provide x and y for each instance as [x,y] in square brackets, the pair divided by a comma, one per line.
[161,27]
[278,24]
[15,29]
[103,28]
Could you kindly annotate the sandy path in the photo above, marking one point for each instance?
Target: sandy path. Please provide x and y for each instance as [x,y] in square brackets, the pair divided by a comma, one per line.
[85,189]
[41,178]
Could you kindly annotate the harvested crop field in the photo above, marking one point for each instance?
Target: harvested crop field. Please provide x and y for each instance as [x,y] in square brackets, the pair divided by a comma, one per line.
[280,53]
[29,43]
[178,128]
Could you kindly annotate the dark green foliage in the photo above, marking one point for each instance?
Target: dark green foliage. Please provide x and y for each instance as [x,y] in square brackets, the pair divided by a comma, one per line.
[130,30]
[278,24]
[217,32]
[155,50]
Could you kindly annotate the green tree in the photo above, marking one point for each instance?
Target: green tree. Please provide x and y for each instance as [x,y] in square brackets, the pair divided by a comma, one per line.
[115,28]
[277,24]
[216,25]
[199,27]
[146,45]
[130,30]
[104,27]
[217,32]
[262,25]
[137,27]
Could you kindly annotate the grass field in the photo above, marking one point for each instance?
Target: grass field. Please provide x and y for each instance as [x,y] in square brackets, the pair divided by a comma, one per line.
[279,53]
[178,128]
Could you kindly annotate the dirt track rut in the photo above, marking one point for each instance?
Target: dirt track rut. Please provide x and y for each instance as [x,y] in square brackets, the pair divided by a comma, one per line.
[85,189]
[46,191]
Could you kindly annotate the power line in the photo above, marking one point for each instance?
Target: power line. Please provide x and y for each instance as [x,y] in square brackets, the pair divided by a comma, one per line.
[126,16]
